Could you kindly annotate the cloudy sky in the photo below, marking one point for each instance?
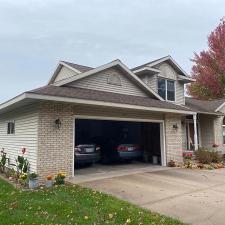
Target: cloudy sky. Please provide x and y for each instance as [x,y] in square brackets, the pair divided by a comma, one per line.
[36,34]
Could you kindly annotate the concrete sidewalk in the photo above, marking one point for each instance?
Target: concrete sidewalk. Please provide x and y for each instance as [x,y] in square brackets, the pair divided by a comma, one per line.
[193,196]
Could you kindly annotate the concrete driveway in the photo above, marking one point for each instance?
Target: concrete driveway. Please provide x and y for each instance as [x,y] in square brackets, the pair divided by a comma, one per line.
[193,196]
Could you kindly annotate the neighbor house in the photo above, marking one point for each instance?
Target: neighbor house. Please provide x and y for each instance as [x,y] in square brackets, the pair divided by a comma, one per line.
[44,120]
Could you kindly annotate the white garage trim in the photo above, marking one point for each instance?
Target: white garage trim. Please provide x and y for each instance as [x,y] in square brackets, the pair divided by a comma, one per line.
[162,131]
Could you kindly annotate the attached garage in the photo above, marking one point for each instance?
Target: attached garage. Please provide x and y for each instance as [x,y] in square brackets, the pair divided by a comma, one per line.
[120,140]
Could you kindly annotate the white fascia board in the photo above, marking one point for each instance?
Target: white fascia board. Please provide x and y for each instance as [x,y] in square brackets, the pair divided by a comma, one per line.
[56,71]
[220,107]
[86,74]
[185,79]
[106,66]
[102,103]
[146,68]
[165,59]
[13,101]
[58,68]
[70,67]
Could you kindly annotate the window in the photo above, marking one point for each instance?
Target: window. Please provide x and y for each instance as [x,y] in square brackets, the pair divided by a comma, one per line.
[224,130]
[170,90]
[11,128]
[166,89]
[162,88]
[114,79]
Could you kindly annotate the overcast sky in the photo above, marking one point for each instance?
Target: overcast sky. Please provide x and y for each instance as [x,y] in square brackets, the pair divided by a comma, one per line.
[36,34]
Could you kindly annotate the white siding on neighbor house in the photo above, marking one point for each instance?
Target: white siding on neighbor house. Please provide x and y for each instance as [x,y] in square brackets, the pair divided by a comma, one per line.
[65,73]
[99,81]
[26,132]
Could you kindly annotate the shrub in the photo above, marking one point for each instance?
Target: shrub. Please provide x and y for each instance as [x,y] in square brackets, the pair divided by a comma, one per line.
[3,160]
[207,156]
[33,176]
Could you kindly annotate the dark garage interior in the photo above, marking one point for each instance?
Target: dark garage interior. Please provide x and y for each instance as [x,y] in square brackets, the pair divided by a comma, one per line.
[116,142]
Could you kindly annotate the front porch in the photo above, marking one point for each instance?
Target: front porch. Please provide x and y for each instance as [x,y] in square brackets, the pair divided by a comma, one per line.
[202,130]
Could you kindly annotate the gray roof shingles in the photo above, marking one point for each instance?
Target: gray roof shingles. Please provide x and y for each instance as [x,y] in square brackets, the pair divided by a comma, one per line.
[203,105]
[88,94]
[81,68]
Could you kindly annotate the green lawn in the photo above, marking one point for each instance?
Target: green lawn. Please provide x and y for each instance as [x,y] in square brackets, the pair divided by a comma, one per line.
[70,205]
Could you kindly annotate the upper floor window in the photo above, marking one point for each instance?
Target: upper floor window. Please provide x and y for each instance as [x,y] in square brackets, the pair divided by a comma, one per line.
[11,127]
[166,89]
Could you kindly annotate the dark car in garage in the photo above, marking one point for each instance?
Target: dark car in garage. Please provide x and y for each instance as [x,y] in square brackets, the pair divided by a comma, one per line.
[86,154]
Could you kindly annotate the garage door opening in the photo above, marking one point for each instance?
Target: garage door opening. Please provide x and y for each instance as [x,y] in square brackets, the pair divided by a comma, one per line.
[110,142]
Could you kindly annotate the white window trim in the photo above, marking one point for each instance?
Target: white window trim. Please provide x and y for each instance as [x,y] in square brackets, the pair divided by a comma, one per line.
[162,132]
[175,88]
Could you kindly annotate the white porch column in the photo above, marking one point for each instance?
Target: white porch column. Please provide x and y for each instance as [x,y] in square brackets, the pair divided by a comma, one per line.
[195,132]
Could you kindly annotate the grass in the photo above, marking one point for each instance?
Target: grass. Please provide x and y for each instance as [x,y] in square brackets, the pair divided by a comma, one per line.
[71,205]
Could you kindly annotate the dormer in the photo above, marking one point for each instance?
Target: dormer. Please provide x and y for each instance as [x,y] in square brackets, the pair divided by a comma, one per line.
[165,77]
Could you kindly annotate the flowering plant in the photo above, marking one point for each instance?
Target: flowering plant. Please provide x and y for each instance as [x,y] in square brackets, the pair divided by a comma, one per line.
[187,155]
[215,146]
[23,176]
[22,163]
[60,177]
[23,179]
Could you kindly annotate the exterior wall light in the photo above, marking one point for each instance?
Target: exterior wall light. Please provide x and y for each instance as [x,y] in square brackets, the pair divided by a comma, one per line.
[58,123]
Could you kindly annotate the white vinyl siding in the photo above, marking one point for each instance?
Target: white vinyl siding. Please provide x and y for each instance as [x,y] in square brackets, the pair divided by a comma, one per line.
[99,82]
[180,98]
[167,72]
[26,132]
[65,73]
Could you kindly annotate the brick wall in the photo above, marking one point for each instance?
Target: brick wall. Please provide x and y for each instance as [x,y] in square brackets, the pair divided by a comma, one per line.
[173,138]
[55,146]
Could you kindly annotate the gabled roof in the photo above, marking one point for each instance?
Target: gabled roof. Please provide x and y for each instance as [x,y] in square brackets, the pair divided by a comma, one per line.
[92,97]
[79,67]
[160,60]
[74,67]
[108,97]
[116,63]
[204,106]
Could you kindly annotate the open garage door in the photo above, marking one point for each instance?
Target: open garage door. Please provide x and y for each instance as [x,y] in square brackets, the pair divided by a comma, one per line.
[112,142]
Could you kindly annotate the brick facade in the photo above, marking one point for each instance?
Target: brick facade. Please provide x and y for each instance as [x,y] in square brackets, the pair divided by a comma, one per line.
[55,146]
[173,138]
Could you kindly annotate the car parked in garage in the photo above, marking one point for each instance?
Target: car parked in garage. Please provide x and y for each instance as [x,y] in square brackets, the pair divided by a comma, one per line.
[129,151]
[86,154]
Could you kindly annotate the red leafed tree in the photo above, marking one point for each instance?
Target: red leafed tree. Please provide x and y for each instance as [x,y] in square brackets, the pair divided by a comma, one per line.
[209,67]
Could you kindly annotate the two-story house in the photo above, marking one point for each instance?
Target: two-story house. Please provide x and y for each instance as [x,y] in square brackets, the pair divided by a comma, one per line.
[45,120]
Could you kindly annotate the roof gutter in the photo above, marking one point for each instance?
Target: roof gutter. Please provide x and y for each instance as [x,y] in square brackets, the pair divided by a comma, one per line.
[102,103]
[28,95]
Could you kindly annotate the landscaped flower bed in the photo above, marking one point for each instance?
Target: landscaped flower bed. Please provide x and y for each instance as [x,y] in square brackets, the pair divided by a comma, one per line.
[20,175]
[202,159]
